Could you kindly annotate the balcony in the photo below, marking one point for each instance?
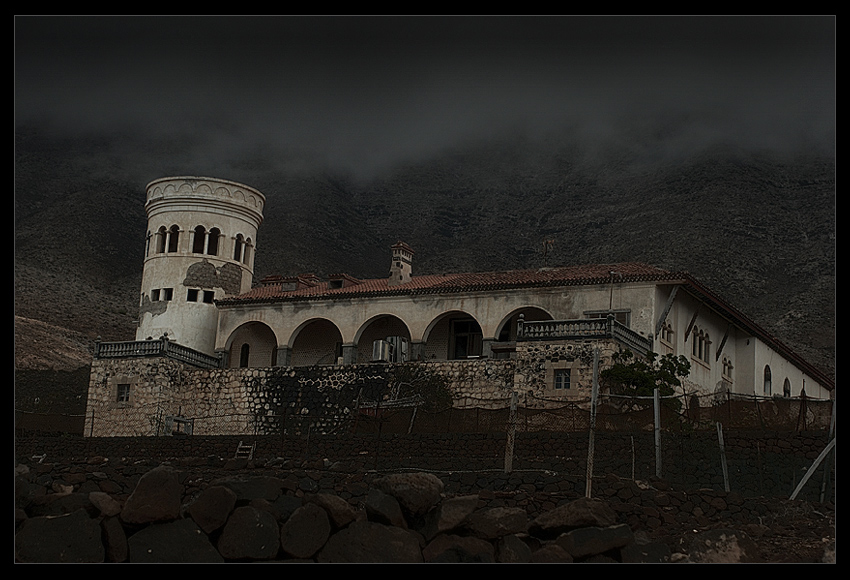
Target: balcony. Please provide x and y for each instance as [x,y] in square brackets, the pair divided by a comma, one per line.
[160,347]
[583,329]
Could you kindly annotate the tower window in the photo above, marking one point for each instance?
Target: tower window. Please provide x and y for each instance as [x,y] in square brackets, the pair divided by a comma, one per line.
[155,295]
[209,296]
[212,243]
[167,293]
[200,240]
[192,295]
[173,238]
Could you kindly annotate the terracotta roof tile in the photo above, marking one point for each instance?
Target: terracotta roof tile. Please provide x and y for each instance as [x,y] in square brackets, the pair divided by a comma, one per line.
[461,282]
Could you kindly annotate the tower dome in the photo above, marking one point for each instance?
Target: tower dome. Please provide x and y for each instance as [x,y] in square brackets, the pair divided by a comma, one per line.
[200,246]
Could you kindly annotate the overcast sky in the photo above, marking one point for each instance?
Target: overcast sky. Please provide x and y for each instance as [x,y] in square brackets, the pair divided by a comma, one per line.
[368,91]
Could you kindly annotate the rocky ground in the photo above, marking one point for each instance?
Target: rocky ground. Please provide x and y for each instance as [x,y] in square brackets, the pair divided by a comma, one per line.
[104,510]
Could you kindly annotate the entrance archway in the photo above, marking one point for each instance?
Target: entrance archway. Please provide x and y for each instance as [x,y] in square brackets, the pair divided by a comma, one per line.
[316,342]
[253,344]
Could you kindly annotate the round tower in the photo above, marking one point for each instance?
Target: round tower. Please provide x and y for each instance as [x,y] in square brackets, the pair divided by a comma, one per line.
[200,246]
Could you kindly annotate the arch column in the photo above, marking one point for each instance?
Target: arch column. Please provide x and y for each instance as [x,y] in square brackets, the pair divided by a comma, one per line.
[284,356]
[349,354]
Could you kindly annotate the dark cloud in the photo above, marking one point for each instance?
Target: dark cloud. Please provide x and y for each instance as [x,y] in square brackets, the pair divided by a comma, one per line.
[364,92]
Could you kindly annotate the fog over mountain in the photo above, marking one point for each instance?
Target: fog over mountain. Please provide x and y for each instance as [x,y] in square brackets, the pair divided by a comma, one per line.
[698,143]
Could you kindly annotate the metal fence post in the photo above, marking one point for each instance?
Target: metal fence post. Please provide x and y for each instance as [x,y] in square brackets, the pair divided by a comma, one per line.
[656,399]
[509,447]
[723,456]
[591,441]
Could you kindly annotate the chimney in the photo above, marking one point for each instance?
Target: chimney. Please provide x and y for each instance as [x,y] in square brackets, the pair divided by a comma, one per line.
[400,270]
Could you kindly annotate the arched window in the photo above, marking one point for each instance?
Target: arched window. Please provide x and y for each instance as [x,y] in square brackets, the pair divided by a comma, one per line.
[246,253]
[237,248]
[786,388]
[767,386]
[212,244]
[173,238]
[200,240]
[243,355]
[161,237]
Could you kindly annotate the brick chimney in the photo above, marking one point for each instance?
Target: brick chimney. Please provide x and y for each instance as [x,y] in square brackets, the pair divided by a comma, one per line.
[401,268]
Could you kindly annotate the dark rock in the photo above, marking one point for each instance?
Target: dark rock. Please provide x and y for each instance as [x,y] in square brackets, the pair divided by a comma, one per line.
[157,498]
[448,515]
[497,522]
[178,542]
[649,553]
[70,538]
[249,534]
[212,507]
[340,512]
[579,513]
[305,532]
[371,542]
[551,553]
[723,546]
[455,549]
[384,509]
[115,540]
[589,541]
[258,487]
[416,492]
[511,549]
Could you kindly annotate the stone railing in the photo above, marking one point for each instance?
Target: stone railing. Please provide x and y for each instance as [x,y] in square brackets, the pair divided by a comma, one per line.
[583,329]
[160,347]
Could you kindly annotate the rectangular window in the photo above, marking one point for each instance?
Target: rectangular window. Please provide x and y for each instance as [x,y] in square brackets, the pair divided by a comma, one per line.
[155,295]
[209,296]
[123,393]
[192,295]
[562,379]
[167,293]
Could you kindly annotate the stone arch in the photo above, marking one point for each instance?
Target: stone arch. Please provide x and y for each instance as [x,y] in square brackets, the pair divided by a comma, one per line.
[317,341]
[252,344]
[381,327]
[453,335]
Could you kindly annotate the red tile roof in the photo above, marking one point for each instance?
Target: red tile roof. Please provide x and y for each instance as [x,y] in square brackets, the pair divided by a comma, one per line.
[271,290]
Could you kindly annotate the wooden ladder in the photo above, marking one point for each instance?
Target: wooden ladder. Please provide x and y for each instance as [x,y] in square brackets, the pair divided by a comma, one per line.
[244,451]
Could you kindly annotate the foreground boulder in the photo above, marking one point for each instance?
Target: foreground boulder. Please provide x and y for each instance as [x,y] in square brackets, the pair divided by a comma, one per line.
[400,518]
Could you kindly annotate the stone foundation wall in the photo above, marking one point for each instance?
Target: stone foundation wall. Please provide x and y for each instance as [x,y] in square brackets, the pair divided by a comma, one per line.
[251,400]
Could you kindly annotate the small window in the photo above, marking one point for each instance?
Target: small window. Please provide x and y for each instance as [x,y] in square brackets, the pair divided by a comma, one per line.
[334,284]
[209,296]
[167,293]
[192,295]
[123,393]
[155,295]
[562,379]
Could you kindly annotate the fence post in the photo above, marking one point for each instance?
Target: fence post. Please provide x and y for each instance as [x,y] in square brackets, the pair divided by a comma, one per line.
[509,447]
[723,456]
[656,400]
[591,441]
